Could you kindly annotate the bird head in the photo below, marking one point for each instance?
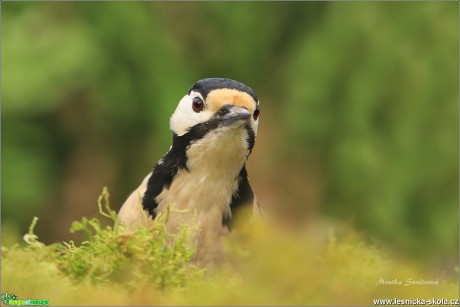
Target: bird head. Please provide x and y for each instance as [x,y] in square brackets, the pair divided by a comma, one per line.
[217,109]
[218,102]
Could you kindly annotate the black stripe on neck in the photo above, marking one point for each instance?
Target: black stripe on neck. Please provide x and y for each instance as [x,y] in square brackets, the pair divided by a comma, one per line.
[251,139]
[243,197]
[176,158]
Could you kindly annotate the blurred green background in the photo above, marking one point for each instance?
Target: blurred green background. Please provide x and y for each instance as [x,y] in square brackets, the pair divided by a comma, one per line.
[359,106]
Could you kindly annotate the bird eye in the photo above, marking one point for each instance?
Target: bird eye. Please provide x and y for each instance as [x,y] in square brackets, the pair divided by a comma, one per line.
[197,104]
[256,114]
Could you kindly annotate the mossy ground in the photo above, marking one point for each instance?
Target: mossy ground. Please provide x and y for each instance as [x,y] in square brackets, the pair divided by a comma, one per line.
[269,266]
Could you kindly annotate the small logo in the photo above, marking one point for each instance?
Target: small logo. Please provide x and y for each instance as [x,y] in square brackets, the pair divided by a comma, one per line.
[12,300]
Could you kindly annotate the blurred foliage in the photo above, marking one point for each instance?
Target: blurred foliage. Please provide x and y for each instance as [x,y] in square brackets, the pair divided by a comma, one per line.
[380,107]
[359,108]
[267,267]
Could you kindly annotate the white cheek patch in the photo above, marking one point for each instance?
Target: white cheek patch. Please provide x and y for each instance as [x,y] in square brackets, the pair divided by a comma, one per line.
[184,117]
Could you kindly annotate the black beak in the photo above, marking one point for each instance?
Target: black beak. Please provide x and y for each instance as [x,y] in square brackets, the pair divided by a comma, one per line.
[233,115]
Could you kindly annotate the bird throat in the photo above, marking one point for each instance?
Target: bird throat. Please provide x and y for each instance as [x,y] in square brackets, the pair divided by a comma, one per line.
[200,194]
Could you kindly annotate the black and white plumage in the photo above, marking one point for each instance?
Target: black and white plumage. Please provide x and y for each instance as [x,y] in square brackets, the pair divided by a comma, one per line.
[203,178]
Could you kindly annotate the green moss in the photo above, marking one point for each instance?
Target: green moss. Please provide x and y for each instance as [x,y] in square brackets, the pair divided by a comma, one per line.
[268,266]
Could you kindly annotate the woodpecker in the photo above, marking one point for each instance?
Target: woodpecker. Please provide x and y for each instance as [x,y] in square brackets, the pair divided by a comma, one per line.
[202,179]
